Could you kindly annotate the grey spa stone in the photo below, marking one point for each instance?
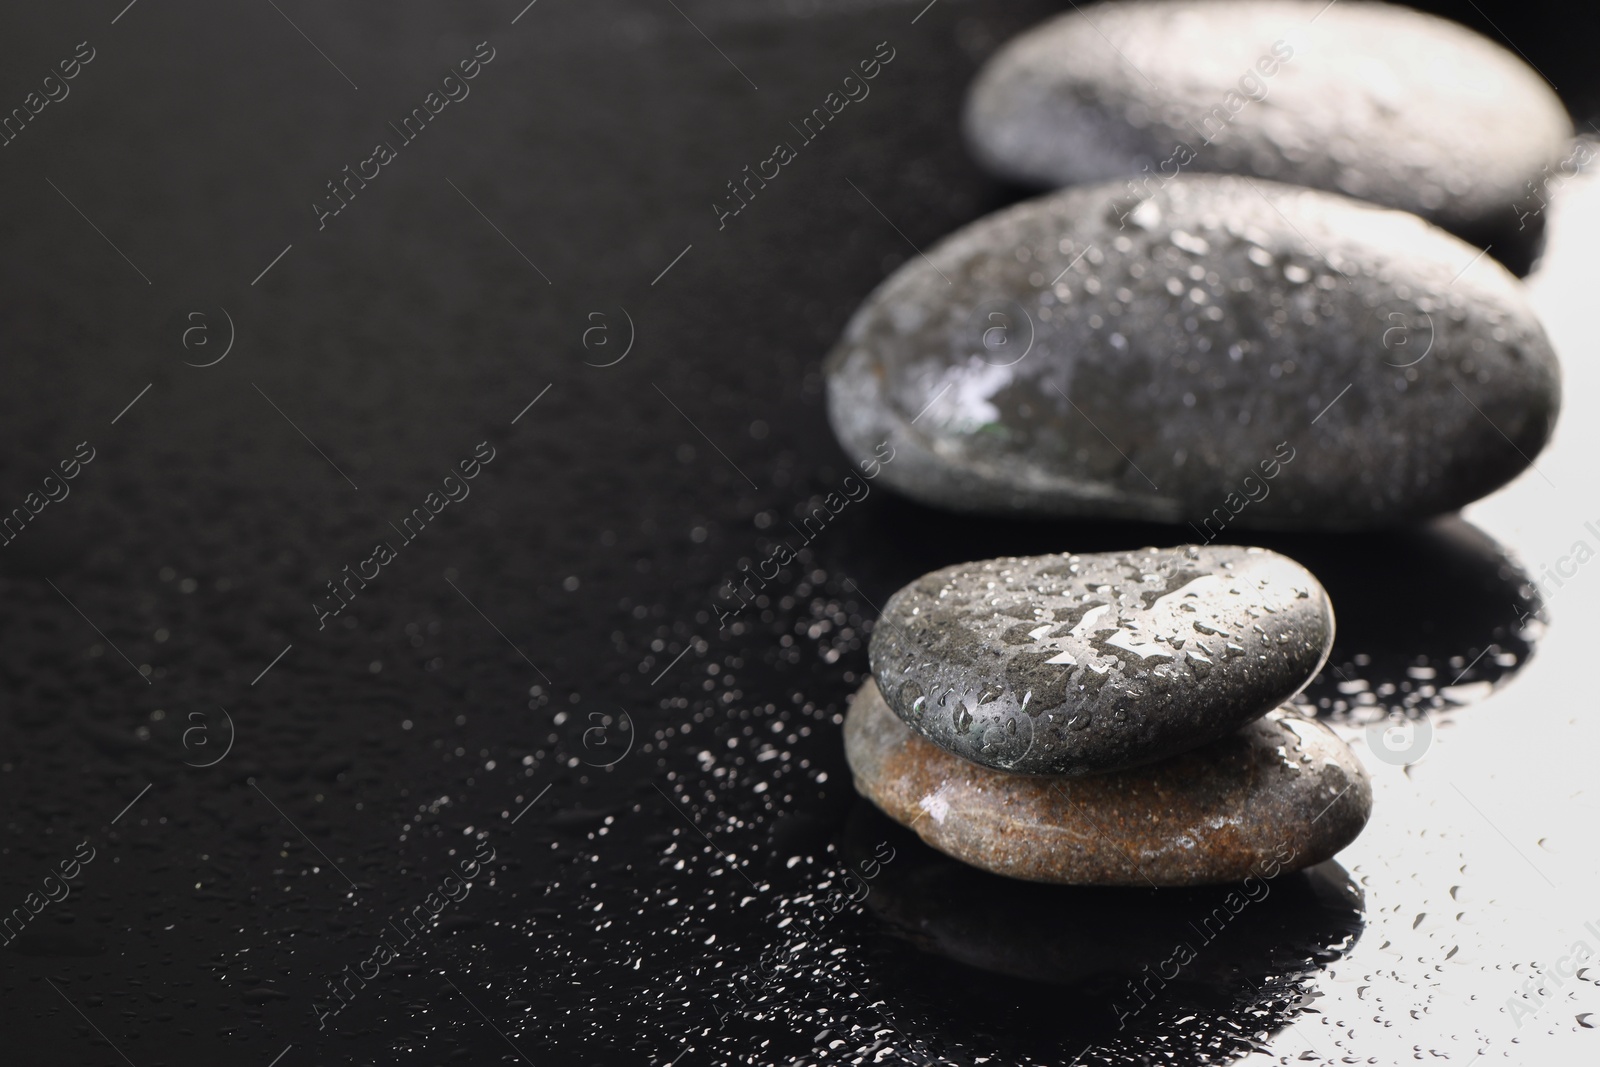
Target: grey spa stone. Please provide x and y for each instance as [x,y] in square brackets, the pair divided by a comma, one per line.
[1082,664]
[1221,352]
[1371,100]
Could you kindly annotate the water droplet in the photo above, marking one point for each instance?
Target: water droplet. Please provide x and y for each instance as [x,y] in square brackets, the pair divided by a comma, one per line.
[963,718]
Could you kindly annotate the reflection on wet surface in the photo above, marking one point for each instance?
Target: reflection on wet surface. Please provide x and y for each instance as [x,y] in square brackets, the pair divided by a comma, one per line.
[1046,971]
[1429,619]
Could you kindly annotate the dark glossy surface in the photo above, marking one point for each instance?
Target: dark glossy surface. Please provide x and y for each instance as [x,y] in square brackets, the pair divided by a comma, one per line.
[1112,964]
[629,906]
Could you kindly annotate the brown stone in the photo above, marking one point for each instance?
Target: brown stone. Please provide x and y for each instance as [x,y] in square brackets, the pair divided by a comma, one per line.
[1281,794]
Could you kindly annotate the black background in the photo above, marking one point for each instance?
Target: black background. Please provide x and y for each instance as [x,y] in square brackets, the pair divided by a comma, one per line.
[476,690]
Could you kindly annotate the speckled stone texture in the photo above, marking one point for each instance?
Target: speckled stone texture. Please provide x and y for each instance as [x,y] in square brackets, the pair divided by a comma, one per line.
[1081,664]
[1371,100]
[1222,348]
[1282,794]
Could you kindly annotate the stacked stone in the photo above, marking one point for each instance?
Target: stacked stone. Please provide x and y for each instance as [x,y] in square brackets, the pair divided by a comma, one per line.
[1109,719]
[1245,312]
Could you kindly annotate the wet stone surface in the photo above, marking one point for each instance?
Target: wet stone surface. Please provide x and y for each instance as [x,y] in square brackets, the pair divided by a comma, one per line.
[1281,794]
[1370,100]
[1080,664]
[1222,352]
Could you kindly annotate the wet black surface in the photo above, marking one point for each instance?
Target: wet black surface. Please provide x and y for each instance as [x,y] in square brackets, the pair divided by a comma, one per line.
[1115,968]
[538,671]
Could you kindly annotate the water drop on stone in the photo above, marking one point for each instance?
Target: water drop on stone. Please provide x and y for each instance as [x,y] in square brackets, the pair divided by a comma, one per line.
[963,718]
